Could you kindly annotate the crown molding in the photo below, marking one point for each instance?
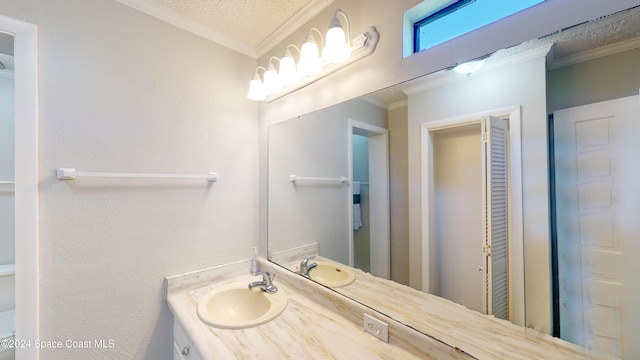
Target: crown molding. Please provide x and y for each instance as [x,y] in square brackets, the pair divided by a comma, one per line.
[595,53]
[445,76]
[289,27]
[373,101]
[292,25]
[158,11]
[398,104]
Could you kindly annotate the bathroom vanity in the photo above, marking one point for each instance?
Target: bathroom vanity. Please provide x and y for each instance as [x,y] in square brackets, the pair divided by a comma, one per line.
[319,323]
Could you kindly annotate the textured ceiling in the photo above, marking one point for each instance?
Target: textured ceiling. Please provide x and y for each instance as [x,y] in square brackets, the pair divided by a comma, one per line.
[591,35]
[247,21]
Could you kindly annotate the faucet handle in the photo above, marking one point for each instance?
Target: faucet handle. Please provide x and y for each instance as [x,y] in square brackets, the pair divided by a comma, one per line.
[306,261]
[266,276]
[269,276]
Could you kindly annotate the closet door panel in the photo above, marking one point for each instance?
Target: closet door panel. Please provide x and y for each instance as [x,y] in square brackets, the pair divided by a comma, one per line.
[496,216]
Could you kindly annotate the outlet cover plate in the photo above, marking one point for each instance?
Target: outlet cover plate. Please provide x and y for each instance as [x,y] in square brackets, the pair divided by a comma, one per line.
[376,328]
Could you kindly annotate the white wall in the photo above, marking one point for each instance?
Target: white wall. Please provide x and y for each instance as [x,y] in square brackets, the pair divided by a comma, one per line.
[518,84]
[399,194]
[601,79]
[120,91]
[314,145]
[308,212]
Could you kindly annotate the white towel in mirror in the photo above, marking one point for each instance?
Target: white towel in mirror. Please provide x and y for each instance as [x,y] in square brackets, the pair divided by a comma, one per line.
[357,211]
[357,217]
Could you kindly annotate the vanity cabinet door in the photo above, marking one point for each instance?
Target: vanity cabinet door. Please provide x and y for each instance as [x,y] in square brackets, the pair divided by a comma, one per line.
[182,347]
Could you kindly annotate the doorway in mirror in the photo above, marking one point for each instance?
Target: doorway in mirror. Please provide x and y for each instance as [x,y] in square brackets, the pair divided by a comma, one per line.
[369,238]
[472,211]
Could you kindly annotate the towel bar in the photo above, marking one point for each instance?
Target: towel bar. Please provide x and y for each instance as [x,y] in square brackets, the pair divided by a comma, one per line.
[71,173]
[294,178]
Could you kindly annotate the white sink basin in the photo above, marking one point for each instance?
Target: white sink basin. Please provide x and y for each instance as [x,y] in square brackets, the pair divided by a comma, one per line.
[236,307]
[331,274]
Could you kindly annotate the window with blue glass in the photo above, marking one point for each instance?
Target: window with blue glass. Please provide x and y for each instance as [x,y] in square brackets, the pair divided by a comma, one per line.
[463,16]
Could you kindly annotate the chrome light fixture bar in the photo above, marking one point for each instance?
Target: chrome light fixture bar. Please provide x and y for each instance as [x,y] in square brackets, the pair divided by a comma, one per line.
[337,53]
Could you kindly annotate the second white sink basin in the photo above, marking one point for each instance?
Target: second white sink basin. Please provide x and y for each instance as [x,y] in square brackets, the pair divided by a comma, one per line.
[236,307]
[332,274]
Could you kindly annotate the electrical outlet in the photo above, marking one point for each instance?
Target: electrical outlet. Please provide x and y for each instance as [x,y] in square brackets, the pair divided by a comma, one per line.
[376,328]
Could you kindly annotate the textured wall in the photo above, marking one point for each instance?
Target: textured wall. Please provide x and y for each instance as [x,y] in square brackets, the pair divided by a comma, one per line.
[120,91]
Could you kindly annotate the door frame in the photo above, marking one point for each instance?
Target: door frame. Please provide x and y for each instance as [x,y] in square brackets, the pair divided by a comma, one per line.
[25,39]
[516,230]
[379,211]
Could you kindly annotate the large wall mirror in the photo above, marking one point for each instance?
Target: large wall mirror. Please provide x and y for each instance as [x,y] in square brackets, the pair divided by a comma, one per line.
[7,198]
[341,180]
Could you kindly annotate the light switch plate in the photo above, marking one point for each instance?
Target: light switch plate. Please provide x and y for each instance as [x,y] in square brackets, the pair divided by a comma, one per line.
[376,328]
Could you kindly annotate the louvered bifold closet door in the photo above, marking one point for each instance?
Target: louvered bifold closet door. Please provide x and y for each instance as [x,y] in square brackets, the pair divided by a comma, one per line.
[496,230]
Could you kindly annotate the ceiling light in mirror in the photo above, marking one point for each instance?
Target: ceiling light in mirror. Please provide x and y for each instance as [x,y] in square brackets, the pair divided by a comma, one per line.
[469,67]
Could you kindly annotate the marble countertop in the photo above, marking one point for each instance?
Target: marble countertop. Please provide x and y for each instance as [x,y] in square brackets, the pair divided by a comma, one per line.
[320,323]
[317,324]
[481,336]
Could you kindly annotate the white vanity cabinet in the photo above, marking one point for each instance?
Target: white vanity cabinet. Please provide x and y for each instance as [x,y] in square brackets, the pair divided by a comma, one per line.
[182,347]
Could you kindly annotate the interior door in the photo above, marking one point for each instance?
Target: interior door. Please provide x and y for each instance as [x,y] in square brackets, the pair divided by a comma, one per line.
[597,197]
[458,263]
[495,222]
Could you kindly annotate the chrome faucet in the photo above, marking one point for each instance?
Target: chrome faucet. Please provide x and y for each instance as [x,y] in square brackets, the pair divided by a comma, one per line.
[305,267]
[266,284]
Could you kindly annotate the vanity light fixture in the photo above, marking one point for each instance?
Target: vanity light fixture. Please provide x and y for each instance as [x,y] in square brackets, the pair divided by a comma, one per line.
[469,67]
[309,63]
[256,87]
[337,53]
[288,73]
[272,83]
[337,48]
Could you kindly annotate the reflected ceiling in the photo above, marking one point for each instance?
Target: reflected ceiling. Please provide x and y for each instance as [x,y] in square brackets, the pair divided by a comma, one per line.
[600,37]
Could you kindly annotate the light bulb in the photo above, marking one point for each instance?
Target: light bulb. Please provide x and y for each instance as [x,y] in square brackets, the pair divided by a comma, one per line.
[336,49]
[288,73]
[272,84]
[256,89]
[309,63]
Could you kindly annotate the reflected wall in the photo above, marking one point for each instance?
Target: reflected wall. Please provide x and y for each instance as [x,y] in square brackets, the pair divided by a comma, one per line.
[311,212]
